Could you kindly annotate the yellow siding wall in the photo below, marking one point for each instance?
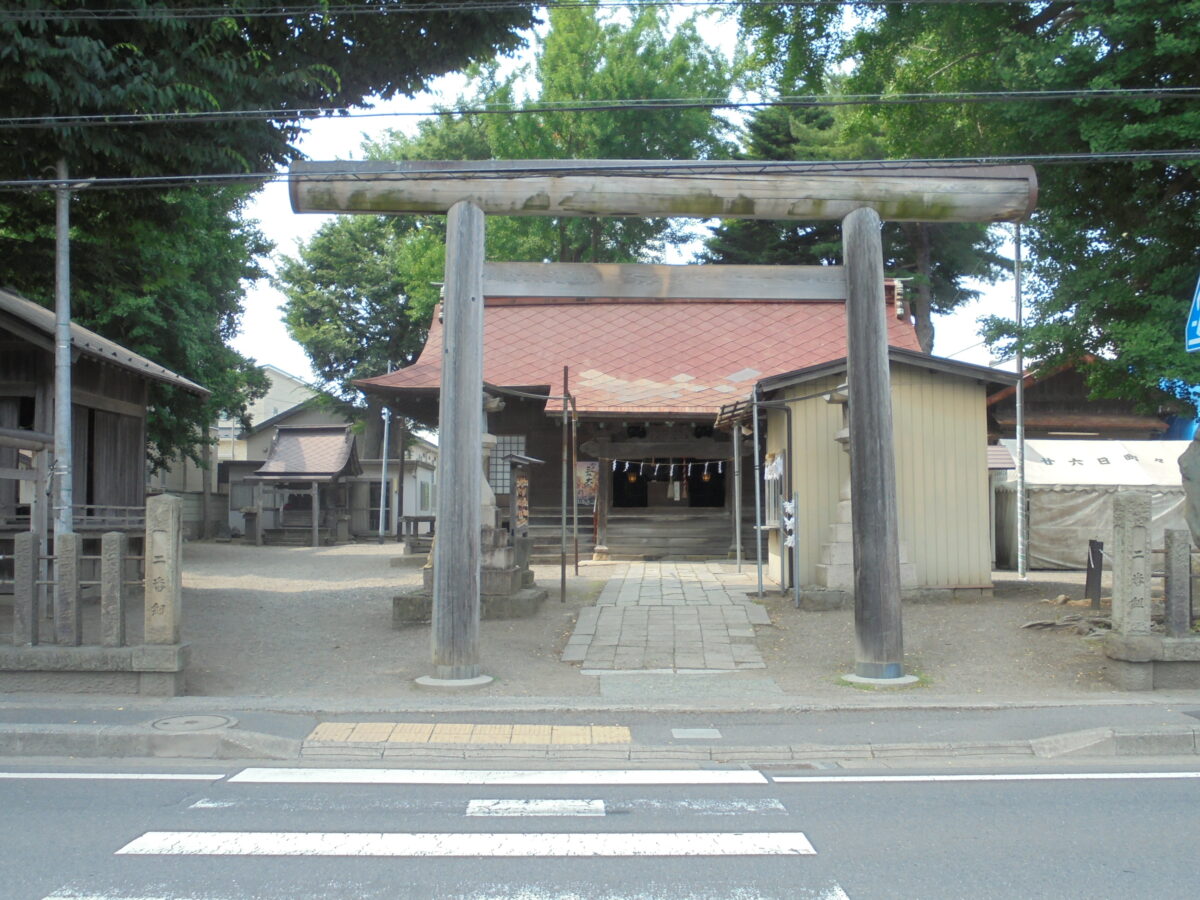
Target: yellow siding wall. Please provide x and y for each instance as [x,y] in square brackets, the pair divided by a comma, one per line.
[818,471]
[940,426]
[941,473]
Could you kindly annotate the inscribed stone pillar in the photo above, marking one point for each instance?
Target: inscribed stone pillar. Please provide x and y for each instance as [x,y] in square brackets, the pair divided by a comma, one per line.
[25,592]
[877,623]
[164,570]
[112,588]
[1178,546]
[68,611]
[1131,563]
[456,604]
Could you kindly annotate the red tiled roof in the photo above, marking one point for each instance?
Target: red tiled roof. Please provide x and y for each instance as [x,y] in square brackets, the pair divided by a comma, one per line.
[671,356]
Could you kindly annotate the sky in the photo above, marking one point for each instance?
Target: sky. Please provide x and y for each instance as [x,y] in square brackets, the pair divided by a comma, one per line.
[264,337]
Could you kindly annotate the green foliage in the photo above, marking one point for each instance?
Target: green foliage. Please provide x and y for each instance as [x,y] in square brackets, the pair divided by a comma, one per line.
[162,271]
[359,295]
[934,258]
[1112,248]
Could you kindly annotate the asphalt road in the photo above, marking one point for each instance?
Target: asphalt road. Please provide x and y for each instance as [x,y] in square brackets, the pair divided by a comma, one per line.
[215,833]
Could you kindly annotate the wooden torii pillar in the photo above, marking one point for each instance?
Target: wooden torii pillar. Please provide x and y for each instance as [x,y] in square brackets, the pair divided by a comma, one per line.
[858,193]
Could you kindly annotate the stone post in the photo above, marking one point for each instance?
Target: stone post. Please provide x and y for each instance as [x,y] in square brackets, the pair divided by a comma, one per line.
[877,621]
[25,592]
[456,555]
[68,611]
[113,547]
[1179,581]
[1131,563]
[164,571]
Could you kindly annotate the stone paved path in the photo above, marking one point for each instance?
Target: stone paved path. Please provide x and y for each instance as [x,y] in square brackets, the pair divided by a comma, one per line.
[670,616]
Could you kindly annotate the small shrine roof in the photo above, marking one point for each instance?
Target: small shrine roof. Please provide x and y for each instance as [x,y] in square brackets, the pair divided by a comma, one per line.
[310,453]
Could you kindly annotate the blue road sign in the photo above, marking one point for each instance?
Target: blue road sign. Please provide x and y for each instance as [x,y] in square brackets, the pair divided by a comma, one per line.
[1191,340]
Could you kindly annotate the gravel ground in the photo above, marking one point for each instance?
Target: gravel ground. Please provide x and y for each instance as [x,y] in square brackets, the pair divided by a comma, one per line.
[303,623]
[299,622]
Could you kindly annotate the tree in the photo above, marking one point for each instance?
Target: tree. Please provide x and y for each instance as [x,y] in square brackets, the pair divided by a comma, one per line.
[346,302]
[161,269]
[934,258]
[1112,245]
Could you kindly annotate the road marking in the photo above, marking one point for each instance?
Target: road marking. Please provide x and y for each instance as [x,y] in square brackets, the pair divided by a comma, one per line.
[286,843]
[535,808]
[107,776]
[387,803]
[1030,776]
[268,775]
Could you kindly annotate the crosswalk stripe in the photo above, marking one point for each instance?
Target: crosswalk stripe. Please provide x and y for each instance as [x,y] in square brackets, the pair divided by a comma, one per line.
[269,775]
[108,776]
[399,804]
[281,843]
[535,808]
[1016,776]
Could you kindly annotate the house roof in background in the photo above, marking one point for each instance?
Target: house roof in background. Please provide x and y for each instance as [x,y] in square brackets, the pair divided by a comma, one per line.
[15,307]
[310,453]
[640,356]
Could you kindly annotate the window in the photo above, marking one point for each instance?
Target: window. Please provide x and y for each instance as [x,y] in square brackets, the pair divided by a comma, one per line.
[426,496]
[500,471]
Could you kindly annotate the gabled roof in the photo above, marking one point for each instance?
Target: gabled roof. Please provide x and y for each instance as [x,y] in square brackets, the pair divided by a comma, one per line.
[310,453]
[896,354]
[16,311]
[638,355]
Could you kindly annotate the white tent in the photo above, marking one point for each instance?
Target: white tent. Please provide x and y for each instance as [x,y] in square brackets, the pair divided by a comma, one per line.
[1069,491]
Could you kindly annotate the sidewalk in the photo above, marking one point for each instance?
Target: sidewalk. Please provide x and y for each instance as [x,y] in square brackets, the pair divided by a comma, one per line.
[294,658]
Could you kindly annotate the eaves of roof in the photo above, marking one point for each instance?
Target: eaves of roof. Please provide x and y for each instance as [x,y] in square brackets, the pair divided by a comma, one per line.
[91,344]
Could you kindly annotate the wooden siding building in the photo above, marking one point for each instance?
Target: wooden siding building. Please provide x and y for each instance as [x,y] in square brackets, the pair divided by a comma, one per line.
[109,395]
[939,416]
[650,354]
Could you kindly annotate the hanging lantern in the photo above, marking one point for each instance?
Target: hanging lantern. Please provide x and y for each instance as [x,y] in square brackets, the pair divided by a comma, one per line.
[632,477]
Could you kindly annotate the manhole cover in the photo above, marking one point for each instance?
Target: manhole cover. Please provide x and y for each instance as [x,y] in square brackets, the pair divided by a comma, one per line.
[193,723]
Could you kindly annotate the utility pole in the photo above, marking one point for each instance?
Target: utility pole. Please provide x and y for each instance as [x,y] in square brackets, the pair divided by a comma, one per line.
[63,468]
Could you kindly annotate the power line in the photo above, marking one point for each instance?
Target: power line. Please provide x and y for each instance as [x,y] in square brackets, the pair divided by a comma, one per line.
[644,168]
[582,106]
[385,8]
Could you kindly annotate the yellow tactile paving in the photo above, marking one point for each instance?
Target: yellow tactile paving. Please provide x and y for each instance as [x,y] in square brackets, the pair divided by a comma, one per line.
[491,734]
[371,732]
[411,733]
[332,731]
[450,733]
[611,734]
[571,734]
[530,734]
[466,733]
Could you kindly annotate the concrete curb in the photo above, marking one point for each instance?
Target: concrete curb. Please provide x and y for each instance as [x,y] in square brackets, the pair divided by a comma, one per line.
[113,741]
[123,741]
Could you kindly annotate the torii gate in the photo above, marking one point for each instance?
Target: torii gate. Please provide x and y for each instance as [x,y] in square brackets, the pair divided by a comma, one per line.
[857,193]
